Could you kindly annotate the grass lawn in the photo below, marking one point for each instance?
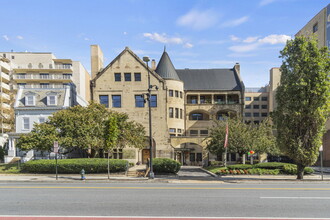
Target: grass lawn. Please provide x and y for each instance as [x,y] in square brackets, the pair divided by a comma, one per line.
[9,169]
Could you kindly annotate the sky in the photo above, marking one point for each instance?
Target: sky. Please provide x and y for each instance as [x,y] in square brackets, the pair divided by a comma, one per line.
[198,34]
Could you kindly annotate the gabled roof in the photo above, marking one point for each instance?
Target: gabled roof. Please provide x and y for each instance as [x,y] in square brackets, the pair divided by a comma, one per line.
[100,73]
[210,79]
[165,68]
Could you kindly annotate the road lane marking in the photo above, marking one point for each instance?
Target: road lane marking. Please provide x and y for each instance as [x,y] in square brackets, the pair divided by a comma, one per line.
[294,197]
[140,187]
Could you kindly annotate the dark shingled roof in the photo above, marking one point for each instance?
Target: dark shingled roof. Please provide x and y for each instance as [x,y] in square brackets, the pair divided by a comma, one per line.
[210,79]
[165,68]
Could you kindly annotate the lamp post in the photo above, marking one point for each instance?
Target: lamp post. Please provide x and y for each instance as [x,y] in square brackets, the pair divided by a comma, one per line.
[151,173]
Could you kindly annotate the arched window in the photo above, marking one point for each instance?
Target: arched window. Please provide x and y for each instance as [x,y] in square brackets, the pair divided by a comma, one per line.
[198,116]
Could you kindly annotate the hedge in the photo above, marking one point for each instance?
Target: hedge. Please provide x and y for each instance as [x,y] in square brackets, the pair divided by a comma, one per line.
[240,166]
[271,165]
[292,169]
[90,165]
[165,165]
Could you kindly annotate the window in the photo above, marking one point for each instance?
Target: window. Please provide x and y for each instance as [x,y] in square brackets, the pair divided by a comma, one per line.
[179,130]
[193,132]
[204,132]
[256,122]
[247,114]
[170,93]
[171,112]
[196,116]
[137,76]
[104,100]
[153,101]
[199,157]
[26,123]
[51,100]
[117,154]
[176,113]
[315,27]
[44,76]
[13,57]
[256,114]
[116,101]
[264,114]
[29,100]
[247,98]
[255,106]
[181,113]
[67,76]
[264,98]
[41,120]
[248,107]
[192,157]
[180,94]
[172,130]
[264,106]
[117,77]
[176,93]
[172,135]
[44,85]
[192,99]
[139,101]
[255,98]
[128,77]
[21,85]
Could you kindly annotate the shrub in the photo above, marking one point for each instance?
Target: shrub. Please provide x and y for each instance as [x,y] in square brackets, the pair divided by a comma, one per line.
[292,169]
[165,165]
[271,165]
[215,163]
[239,166]
[260,171]
[90,165]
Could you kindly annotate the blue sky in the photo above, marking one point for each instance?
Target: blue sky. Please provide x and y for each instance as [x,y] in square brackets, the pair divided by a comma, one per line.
[197,33]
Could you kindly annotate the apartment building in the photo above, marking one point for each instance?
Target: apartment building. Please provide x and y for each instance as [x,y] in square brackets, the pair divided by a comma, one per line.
[44,70]
[184,102]
[319,25]
[256,107]
[6,114]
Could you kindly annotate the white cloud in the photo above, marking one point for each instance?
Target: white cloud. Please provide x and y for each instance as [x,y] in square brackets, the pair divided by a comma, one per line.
[188,45]
[234,38]
[236,22]
[19,37]
[275,39]
[125,33]
[211,42]
[250,39]
[199,20]
[163,38]
[86,38]
[5,37]
[253,43]
[266,2]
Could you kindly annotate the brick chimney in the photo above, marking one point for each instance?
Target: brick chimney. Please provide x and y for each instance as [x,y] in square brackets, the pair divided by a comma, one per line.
[153,64]
[237,68]
[96,60]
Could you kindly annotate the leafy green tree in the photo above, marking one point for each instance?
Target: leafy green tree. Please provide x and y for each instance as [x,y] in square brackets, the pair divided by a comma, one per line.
[242,137]
[303,100]
[41,137]
[111,134]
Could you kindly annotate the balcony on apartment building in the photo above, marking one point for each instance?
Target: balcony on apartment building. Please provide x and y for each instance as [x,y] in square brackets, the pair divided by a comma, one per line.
[4,64]
[4,77]
[22,77]
[5,106]
[5,86]
[40,86]
[4,96]
[5,126]
[221,99]
[44,68]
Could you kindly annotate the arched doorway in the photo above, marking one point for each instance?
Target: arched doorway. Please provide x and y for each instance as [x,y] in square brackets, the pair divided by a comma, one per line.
[189,154]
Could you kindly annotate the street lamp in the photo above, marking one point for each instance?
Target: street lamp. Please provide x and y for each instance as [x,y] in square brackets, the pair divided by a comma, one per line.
[151,174]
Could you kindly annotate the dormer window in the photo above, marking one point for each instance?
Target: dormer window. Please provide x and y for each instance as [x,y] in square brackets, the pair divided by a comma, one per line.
[30,100]
[51,100]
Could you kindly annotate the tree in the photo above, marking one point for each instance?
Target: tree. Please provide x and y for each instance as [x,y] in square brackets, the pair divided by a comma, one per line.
[303,100]
[242,137]
[91,129]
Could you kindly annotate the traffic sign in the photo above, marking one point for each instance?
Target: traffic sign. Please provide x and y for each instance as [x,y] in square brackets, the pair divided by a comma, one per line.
[55,146]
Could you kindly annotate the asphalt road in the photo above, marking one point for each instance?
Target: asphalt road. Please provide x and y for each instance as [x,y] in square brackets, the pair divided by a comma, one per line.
[302,200]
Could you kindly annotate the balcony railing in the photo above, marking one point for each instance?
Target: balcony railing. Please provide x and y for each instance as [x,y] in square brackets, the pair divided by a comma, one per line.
[5,106]
[5,96]
[39,86]
[5,86]
[61,67]
[46,77]
[5,76]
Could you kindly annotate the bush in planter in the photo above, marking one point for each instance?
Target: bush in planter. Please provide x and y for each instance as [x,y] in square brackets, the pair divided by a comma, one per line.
[271,165]
[239,166]
[90,165]
[165,165]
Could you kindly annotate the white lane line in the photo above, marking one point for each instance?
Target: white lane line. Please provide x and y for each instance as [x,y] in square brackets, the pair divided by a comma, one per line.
[294,197]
